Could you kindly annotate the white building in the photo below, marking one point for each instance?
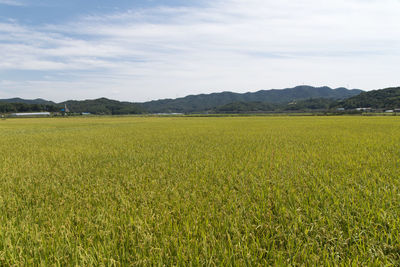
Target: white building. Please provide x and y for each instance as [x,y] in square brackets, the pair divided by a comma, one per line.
[32,114]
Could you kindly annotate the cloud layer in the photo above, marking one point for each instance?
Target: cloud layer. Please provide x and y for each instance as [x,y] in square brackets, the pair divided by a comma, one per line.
[11,3]
[237,45]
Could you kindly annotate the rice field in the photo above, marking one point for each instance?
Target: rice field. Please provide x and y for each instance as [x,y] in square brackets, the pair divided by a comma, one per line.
[251,191]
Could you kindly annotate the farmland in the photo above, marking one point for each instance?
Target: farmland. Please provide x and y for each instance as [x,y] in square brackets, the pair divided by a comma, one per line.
[207,191]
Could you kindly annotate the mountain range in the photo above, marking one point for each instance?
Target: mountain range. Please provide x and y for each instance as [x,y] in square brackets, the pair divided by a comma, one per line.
[196,103]
[204,102]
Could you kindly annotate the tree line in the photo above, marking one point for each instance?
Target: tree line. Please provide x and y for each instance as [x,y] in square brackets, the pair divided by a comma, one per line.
[23,107]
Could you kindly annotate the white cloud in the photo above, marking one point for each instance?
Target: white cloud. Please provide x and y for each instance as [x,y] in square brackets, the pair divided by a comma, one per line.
[11,3]
[228,45]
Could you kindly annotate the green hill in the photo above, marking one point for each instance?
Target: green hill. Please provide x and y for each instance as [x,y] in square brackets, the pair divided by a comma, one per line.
[103,106]
[96,106]
[265,100]
[313,104]
[6,107]
[205,102]
[39,101]
[378,99]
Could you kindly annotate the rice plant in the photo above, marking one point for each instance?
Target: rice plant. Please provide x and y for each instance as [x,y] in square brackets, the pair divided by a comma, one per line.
[200,191]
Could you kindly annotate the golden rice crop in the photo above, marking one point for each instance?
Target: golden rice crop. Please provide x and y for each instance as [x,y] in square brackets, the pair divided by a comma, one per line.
[200,191]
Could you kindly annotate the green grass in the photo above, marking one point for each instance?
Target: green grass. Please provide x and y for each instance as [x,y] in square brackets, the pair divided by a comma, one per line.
[200,191]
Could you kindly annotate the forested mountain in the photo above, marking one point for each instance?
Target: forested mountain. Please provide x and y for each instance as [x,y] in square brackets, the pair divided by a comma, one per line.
[298,98]
[312,104]
[27,101]
[6,107]
[378,99]
[103,106]
[204,102]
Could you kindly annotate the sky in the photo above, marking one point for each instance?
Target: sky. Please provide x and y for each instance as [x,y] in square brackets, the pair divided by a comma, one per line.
[151,49]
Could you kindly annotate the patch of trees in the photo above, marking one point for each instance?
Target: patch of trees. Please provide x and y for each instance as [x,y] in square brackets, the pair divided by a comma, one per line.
[378,99]
[299,106]
[23,107]
[99,106]
[103,106]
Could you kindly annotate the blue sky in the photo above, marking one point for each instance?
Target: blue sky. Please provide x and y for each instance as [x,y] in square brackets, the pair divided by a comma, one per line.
[145,50]
[57,11]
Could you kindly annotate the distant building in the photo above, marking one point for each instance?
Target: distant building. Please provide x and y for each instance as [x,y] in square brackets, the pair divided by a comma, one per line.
[389,111]
[85,113]
[168,114]
[32,114]
[363,109]
[340,109]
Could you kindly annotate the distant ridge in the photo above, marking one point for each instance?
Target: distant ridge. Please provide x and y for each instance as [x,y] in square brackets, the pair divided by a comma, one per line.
[28,101]
[203,102]
[388,98]
[195,103]
[103,106]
